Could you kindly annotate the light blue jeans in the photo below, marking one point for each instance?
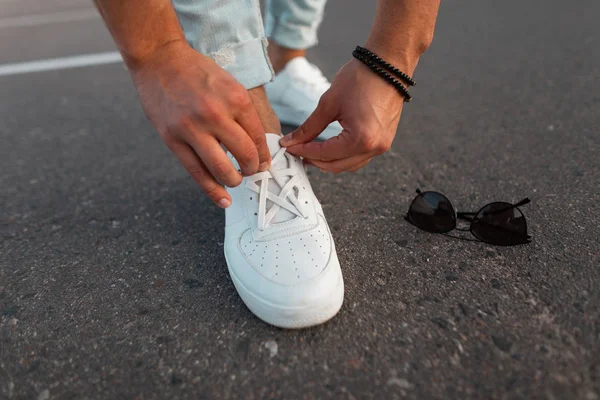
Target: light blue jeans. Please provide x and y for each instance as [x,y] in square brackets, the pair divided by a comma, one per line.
[231,32]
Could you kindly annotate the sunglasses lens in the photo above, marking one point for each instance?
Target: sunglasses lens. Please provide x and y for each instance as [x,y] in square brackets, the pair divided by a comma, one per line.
[500,223]
[432,212]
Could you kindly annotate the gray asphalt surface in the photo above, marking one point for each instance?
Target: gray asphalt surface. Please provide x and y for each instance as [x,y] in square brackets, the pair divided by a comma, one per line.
[113,284]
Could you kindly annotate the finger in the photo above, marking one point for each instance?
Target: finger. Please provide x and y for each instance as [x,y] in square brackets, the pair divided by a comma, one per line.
[249,120]
[361,165]
[241,146]
[214,158]
[336,148]
[196,168]
[321,117]
[350,164]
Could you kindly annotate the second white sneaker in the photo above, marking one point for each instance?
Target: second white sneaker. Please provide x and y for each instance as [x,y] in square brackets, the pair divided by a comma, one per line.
[295,92]
[278,247]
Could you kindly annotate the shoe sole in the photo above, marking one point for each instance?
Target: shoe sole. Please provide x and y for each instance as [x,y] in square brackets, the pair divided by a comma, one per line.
[289,116]
[291,317]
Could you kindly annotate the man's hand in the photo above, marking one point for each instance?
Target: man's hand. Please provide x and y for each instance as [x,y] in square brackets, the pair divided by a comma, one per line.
[367,107]
[195,106]
[193,103]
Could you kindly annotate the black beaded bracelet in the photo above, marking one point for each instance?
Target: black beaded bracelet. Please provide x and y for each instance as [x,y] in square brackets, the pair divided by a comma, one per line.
[384,75]
[369,54]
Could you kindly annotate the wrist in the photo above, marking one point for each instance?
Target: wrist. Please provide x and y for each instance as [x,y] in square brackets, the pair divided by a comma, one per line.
[137,61]
[405,58]
[384,93]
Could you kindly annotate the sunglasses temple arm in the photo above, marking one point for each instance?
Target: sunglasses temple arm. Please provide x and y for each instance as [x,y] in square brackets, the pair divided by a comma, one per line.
[461,238]
[526,200]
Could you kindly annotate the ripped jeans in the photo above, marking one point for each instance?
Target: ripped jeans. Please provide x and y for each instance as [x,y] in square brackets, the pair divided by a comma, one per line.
[231,32]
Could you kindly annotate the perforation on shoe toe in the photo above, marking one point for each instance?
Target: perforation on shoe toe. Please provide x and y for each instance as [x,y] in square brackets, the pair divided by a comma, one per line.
[289,260]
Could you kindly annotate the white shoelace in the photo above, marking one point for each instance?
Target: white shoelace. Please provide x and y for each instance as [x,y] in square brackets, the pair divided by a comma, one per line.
[287,197]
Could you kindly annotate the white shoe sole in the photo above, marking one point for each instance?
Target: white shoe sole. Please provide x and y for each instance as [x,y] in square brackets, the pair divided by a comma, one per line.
[291,317]
[290,116]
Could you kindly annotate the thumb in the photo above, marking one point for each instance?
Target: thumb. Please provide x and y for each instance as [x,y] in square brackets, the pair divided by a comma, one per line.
[316,123]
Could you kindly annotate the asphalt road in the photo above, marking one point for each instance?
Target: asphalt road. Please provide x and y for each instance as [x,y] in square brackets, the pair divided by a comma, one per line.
[113,282]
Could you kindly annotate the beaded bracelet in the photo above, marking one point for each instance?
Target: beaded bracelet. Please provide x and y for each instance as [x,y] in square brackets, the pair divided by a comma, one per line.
[383,74]
[369,54]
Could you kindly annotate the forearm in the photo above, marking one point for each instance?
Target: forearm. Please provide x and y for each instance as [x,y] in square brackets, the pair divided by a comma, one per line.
[403,30]
[140,27]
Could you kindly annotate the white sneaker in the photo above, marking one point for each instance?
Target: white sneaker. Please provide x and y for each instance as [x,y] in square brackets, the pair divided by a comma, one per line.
[295,92]
[278,247]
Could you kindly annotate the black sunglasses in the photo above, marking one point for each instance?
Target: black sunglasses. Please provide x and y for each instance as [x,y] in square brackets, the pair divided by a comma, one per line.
[497,223]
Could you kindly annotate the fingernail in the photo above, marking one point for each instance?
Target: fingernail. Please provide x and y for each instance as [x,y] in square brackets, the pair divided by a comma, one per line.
[263,166]
[224,202]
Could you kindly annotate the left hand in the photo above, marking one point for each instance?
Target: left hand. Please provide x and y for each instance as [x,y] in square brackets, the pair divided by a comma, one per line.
[367,107]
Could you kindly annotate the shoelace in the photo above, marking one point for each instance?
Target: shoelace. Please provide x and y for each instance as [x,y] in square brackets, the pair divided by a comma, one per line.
[287,196]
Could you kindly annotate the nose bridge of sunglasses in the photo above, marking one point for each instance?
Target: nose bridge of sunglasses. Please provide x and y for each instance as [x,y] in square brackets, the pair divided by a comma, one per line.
[463,225]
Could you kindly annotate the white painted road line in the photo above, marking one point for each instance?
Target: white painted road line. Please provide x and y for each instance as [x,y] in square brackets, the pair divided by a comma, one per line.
[53,64]
[49,18]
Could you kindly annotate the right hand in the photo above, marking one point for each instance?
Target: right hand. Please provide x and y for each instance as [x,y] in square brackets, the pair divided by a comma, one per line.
[195,105]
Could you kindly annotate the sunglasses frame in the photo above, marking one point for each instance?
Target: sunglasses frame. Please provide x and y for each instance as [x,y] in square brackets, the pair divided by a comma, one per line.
[471,218]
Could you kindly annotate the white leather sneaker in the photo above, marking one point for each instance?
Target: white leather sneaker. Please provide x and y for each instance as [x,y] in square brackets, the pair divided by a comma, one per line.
[278,247]
[295,92]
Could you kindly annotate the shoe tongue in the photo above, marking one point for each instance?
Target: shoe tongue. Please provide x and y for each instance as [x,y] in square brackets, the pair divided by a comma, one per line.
[282,215]
[307,77]
[298,67]
[273,143]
